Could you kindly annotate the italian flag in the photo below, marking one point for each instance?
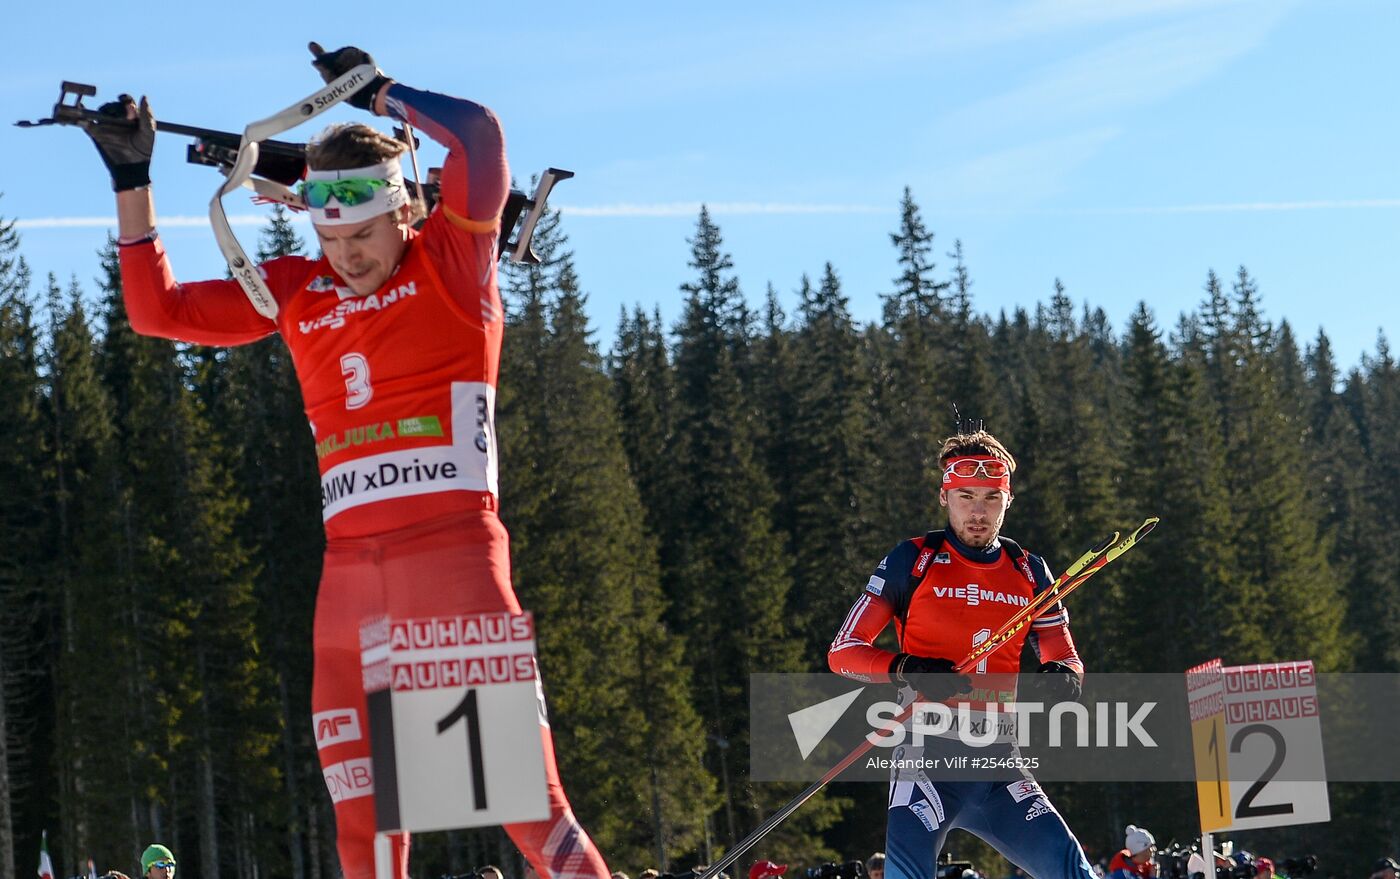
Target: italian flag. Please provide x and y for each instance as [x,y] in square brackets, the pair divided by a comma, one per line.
[45,865]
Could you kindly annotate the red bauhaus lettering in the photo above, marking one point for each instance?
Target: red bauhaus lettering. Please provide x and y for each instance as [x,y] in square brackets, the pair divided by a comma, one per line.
[450,673]
[495,627]
[498,669]
[425,675]
[403,678]
[471,630]
[422,633]
[475,672]
[449,631]
[398,636]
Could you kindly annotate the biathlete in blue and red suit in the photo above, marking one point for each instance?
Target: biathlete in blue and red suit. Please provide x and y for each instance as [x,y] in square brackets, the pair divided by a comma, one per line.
[946,593]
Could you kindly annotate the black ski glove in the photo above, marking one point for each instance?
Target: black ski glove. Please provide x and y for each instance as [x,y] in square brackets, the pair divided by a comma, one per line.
[1057,682]
[934,679]
[126,142]
[333,64]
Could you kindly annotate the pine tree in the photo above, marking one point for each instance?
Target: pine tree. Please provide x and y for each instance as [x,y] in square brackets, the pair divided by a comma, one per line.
[188,588]
[1174,470]
[832,484]
[1274,531]
[912,398]
[916,293]
[21,468]
[587,569]
[1340,472]
[729,579]
[774,394]
[643,385]
[1372,398]
[969,375]
[1067,483]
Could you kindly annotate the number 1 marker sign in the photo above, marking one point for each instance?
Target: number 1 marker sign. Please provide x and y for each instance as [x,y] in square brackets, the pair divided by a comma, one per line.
[455,711]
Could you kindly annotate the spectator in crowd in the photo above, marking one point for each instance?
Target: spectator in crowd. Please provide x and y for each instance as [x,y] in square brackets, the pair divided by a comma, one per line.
[1134,860]
[875,865]
[157,862]
[1385,868]
[618,874]
[1264,868]
[766,870]
[649,873]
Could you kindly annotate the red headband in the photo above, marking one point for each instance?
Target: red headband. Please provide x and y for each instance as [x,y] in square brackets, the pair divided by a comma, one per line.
[979,478]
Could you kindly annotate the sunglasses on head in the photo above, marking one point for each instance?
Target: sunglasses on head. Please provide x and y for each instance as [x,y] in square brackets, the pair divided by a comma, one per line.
[349,191]
[967,468]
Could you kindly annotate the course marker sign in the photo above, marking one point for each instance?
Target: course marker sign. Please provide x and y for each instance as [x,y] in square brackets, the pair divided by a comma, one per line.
[455,711]
[1257,737]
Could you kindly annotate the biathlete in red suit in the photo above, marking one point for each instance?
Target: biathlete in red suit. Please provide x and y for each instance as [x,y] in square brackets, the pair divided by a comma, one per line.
[396,340]
[947,592]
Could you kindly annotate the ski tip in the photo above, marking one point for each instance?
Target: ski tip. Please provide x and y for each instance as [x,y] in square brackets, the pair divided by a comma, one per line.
[1107,543]
[1147,526]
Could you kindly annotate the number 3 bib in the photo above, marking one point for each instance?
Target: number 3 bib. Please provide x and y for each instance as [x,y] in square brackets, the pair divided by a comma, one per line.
[399,386]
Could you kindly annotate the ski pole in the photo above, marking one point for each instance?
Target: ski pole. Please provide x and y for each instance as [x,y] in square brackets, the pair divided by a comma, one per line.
[1072,578]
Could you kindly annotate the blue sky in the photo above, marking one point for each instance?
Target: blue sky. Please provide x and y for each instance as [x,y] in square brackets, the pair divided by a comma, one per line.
[1123,147]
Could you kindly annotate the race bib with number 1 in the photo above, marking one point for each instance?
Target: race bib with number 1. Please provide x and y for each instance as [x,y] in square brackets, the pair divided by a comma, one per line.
[455,710]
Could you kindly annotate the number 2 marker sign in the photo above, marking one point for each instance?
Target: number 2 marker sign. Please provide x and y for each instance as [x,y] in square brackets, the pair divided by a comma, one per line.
[1258,743]
[455,711]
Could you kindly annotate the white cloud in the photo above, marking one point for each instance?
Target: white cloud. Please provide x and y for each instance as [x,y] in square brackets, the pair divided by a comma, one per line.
[1021,175]
[627,209]
[164,222]
[985,25]
[1336,204]
[691,208]
[1139,69]
[1256,206]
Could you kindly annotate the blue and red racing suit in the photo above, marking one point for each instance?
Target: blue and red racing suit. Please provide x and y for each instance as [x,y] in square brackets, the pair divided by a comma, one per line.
[944,602]
[400,390]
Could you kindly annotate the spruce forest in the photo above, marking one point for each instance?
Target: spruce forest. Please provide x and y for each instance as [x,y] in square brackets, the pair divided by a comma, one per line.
[701,502]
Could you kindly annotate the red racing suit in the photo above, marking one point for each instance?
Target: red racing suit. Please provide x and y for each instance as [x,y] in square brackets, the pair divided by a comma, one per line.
[400,389]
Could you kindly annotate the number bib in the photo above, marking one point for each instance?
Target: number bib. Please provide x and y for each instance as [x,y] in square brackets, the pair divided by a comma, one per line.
[455,710]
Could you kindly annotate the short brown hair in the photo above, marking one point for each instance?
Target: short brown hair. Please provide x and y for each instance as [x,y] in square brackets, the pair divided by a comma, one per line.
[351,145]
[976,443]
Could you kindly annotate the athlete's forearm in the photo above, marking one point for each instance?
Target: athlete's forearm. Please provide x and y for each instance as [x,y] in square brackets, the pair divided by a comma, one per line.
[475,177]
[1053,643]
[853,653]
[136,213]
